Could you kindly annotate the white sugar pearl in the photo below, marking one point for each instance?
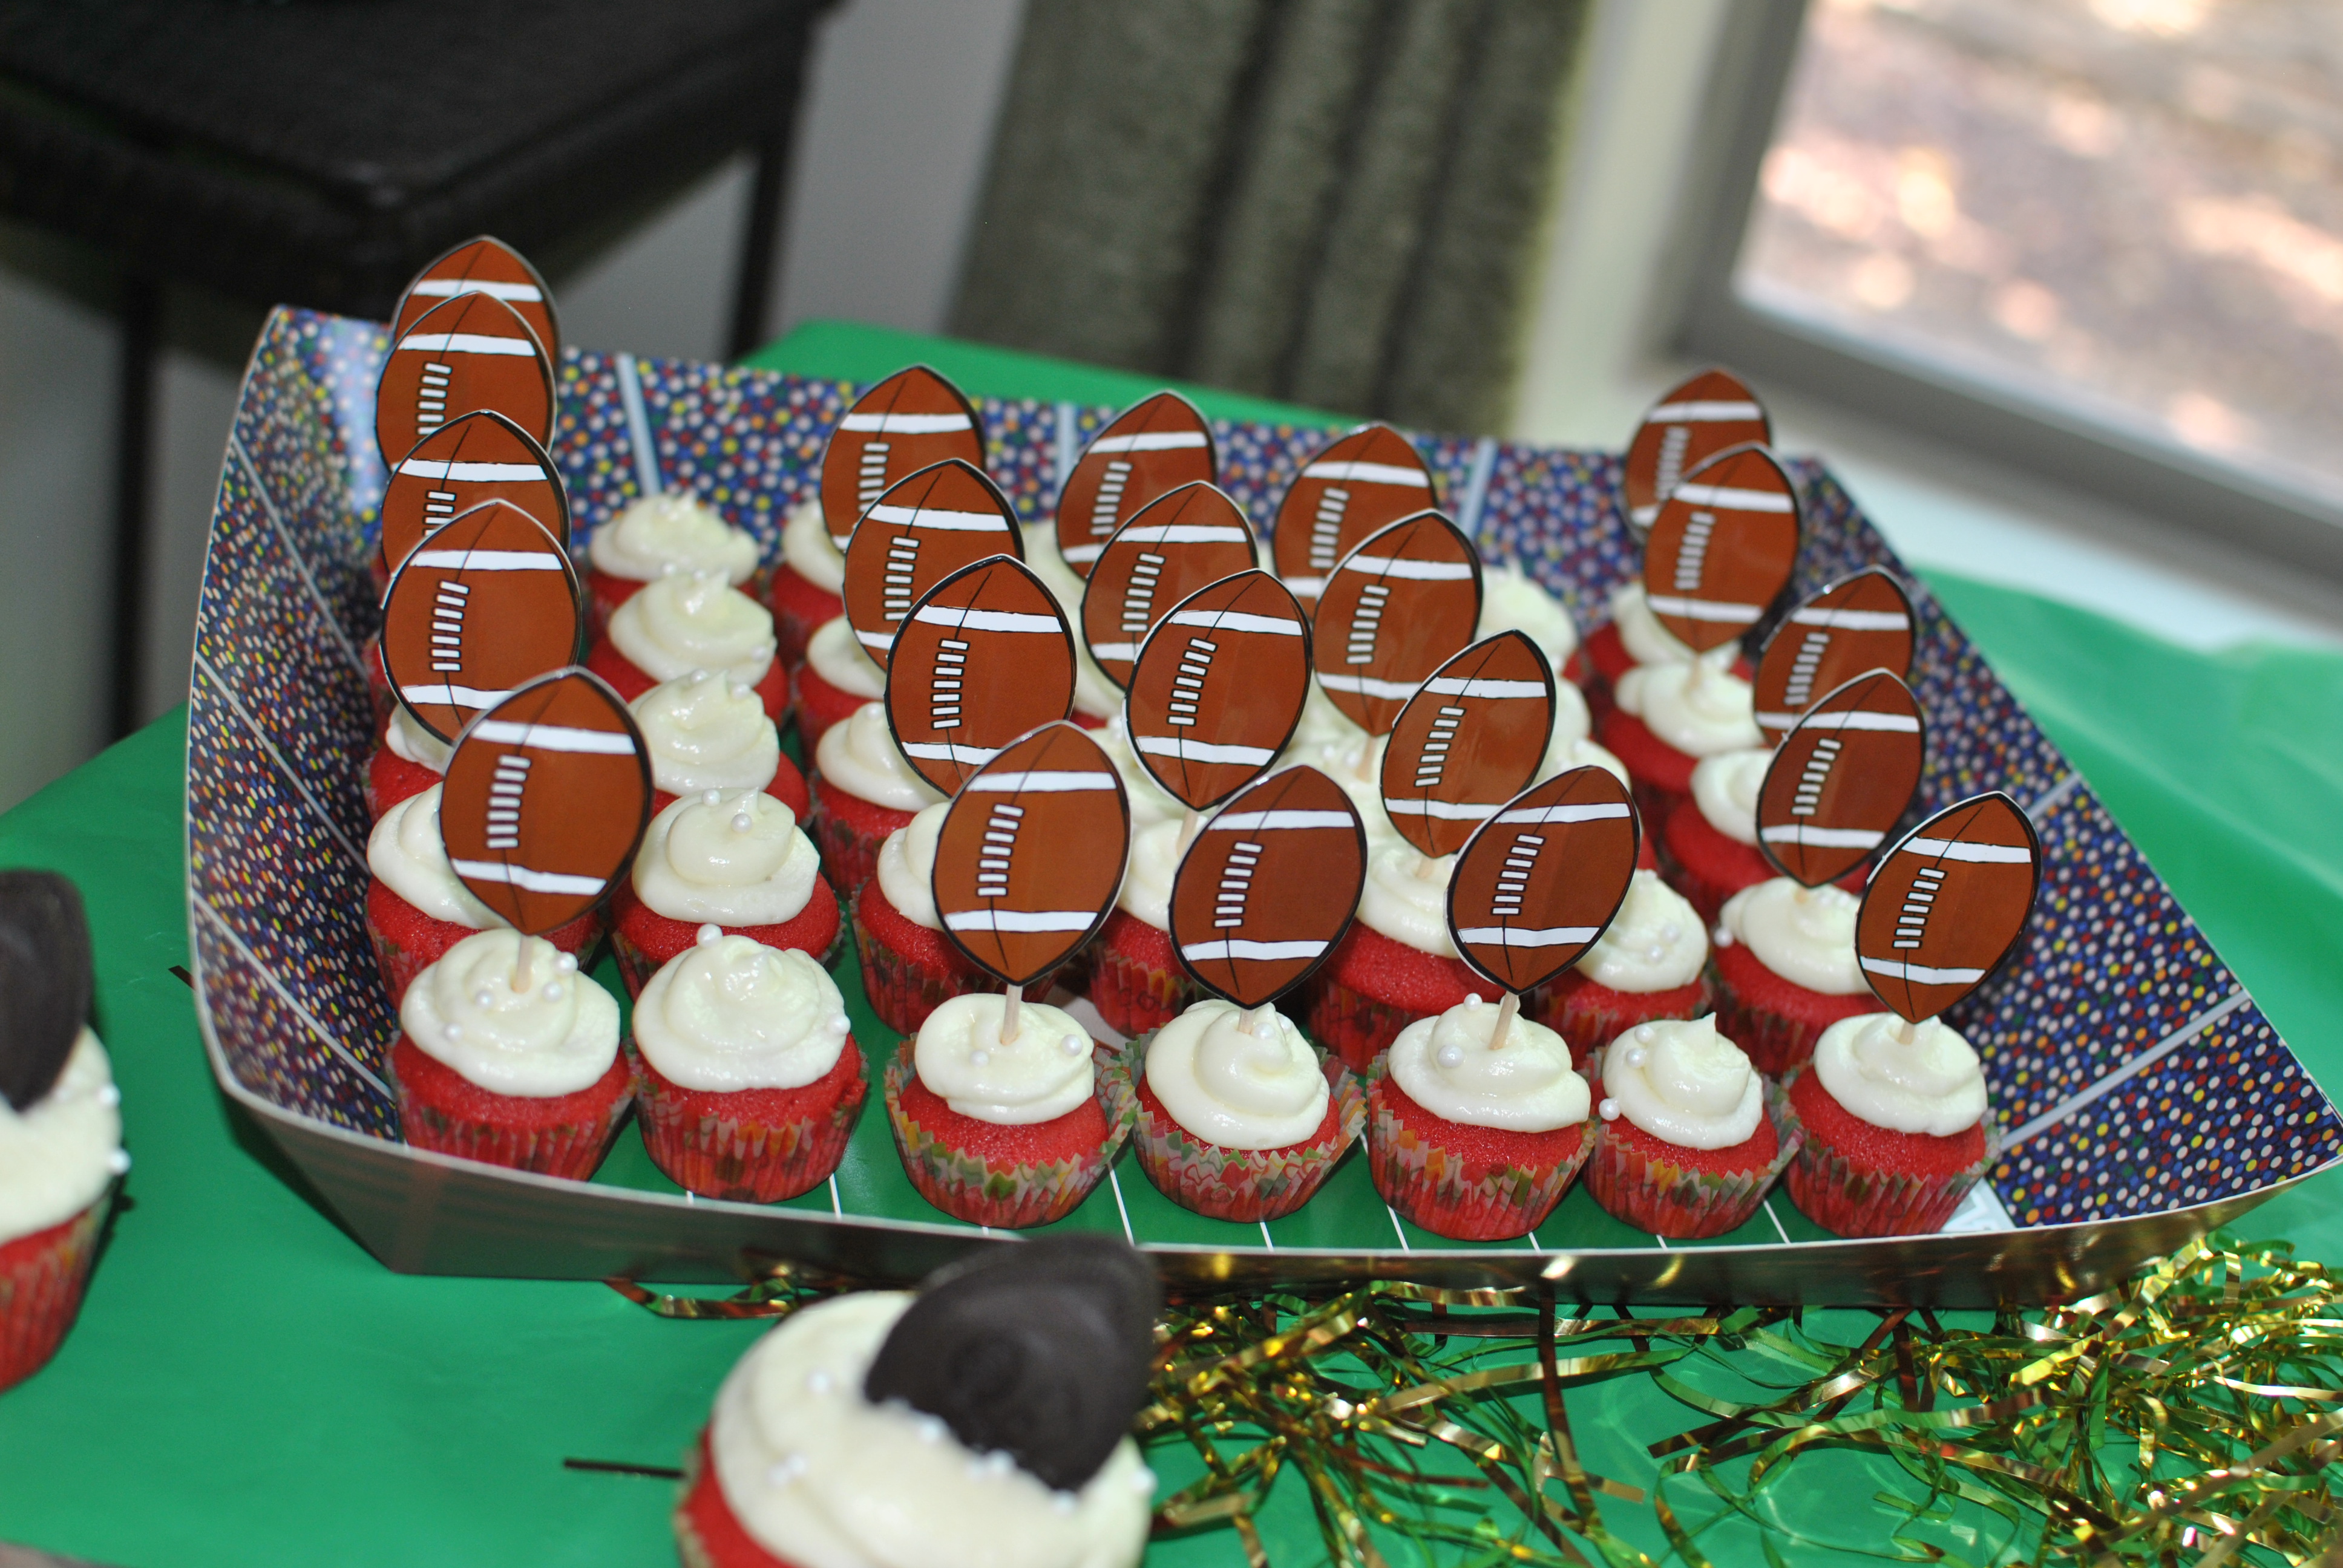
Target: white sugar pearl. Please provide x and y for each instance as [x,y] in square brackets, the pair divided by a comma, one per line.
[707,933]
[567,964]
[742,688]
[1610,1110]
[484,997]
[454,1031]
[118,1162]
[710,797]
[743,822]
[999,1461]
[1637,1056]
[1472,1001]
[1063,1502]
[839,1023]
[980,1057]
[700,676]
[1671,932]
[1450,1056]
[1071,1045]
[1643,1033]
[553,991]
[108,1094]
[817,1381]
[931,1430]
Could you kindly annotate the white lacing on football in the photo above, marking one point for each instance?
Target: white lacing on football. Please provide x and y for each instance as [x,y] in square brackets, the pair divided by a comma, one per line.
[704,732]
[694,620]
[57,1154]
[1684,1083]
[1243,1081]
[1727,787]
[1639,631]
[673,532]
[1699,707]
[406,852]
[1510,601]
[861,758]
[1805,935]
[730,1013]
[410,741]
[1655,942]
[1040,1076]
[733,857]
[1406,897]
[1525,1085]
[1931,1083]
[808,550]
[838,655]
[906,868]
[554,1036]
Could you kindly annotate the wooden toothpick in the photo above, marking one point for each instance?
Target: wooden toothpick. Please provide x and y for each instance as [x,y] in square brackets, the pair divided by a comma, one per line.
[1506,1009]
[1008,1019]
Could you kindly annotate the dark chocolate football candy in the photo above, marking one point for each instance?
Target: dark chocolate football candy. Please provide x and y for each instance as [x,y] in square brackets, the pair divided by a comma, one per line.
[44,981]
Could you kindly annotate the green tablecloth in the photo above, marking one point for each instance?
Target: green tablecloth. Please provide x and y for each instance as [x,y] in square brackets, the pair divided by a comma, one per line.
[247,1386]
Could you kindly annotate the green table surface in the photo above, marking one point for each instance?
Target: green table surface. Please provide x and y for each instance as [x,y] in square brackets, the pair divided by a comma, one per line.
[246,1385]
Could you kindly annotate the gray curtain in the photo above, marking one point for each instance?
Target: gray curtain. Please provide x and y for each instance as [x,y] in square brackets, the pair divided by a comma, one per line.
[1334,202]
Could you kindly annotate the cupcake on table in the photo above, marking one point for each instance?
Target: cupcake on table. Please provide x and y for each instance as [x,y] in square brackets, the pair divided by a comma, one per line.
[1786,969]
[1711,837]
[1650,963]
[835,676]
[673,533]
[688,621]
[1682,1144]
[807,582]
[909,968]
[704,733]
[733,859]
[864,790]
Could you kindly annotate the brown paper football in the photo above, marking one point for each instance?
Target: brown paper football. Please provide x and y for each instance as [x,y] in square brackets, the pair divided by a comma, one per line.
[1541,878]
[484,607]
[983,658]
[1361,483]
[913,420]
[1173,546]
[483,265]
[1858,623]
[1269,887]
[1841,780]
[1031,855]
[1218,687]
[1396,608]
[547,797]
[926,526]
[1722,548]
[1948,904]
[465,354]
[1468,742]
[1689,425]
[481,456]
[1155,446]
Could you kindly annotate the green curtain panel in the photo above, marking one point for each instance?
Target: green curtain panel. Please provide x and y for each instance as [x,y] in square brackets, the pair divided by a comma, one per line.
[1333,202]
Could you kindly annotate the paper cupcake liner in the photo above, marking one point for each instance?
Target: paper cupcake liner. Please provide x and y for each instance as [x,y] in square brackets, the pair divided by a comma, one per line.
[707,1533]
[1591,1017]
[740,1157]
[1241,1184]
[1135,997]
[1354,1026]
[849,856]
[1669,1199]
[42,1277]
[572,1148]
[969,1186]
[1848,1200]
[1428,1185]
[902,989]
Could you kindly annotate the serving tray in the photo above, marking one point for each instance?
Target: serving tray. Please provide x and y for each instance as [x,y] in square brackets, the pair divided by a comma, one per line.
[2145,1097]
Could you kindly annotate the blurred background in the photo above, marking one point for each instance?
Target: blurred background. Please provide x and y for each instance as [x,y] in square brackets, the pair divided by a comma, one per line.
[2057,285]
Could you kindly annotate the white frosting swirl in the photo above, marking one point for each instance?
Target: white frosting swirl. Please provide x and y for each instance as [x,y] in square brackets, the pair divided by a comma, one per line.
[1150,801]
[807,546]
[823,1478]
[706,733]
[1525,1085]
[1699,707]
[838,655]
[1805,935]
[1040,1076]
[859,757]
[409,740]
[694,620]
[1406,897]
[1562,756]
[1931,1083]
[405,851]
[1639,631]
[673,532]
[733,857]
[1655,942]
[1354,759]
[1510,601]
[556,1037]
[1727,785]
[1094,694]
[1683,1082]
[731,1013]
[1324,729]
[1570,721]
[1155,852]
[57,1154]
[906,868]
[1239,1080]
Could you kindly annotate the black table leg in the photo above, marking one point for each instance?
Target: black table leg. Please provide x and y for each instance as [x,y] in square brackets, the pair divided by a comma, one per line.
[753,288]
[134,443]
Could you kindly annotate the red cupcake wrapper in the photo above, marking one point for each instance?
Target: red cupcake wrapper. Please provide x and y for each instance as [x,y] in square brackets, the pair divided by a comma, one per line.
[848,831]
[1591,1016]
[971,1187]
[1241,1184]
[1434,1187]
[1134,983]
[407,941]
[41,1277]
[1849,1199]
[1667,1199]
[436,1114]
[720,1146]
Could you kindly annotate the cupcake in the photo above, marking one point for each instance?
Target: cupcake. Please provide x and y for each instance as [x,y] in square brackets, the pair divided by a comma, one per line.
[1239,1118]
[507,1055]
[1896,1129]
[1786,969]
[1511,601]
[686,621]
[1632,636]
[702,733]
[1569,745]
[747,1081]
[1096,699]
[806,584]
[1006,1134]
[1134,981]
[1397,964]
[1669,716]
[984,1418]
[1150,802]
[417,907]
[909,968]
[410,761]
[1712,839]
[1682,1144]
[1470,1142]
[1651,962]
[732,859]
[862,791]
[836,678]
[662,535]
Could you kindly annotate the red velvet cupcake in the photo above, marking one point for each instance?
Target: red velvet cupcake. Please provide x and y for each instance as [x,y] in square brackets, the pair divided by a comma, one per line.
[835,679]
[1711,837]
[1134,981]
[909,968]
[806,582]
[1683,1146]
[702,732]
[660,535]
[1651,963]
[680,624]
[1669,716]
[732,859]
[1785,970]
[1920,1140]
[862,791]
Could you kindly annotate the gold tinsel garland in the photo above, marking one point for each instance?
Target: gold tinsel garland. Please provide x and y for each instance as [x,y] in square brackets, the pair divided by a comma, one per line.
[2185,1418]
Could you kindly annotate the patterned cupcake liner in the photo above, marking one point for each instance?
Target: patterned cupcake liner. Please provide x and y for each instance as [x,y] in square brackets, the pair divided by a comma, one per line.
[572,1149]
[1774,1043]
[1589,1018]
[41,1277]
[1667,1199]
[971,1187]
[1848,1200]
[1241,1184]
[1420,1179]
[850,857]
[1353,1026]
[741,1158]
[902,991]
[1135,997]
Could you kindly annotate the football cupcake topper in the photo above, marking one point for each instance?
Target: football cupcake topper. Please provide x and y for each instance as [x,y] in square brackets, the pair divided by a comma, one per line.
[481,456]
[913,420]
[1173,546]
[1155,446]
[1030,854]
[1540,880]
[926,526]
[547,796]
[1360,483]
[1218,687]
[465,354]
[45,982]
[1468,741]
[1948,904]
[1839,782]
[1269,886]
[483,265]
[1395,609]
[485,605]
[1722,548]
[983,658]
[1858,623]
[1688,426]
